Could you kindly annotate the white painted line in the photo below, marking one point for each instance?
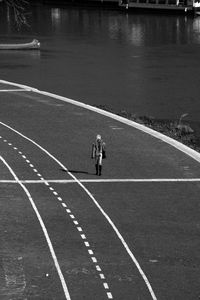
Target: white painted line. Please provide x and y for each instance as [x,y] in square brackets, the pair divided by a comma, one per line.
[102,276]
[106,286]
[68,211]
[83,236]
[55,193]
[194,154]
[75,222]
[109,295]
[79,229]
[64,205]
[64,286]
[14,90]
[72,216]
[59,198]
[46,181]
[99,207]
[90,252]
[87,244]
[94,259]
[98,268]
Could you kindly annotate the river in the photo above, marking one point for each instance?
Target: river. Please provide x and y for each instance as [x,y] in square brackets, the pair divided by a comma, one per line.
[148,64]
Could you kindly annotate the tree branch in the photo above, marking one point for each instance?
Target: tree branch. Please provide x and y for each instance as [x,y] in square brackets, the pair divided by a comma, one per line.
[18,7]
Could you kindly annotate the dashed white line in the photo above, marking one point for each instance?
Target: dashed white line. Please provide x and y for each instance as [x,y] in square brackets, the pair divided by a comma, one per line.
[109,295]
[71,215]
[143,275]
[65,289]
[94,259]
[106,286]
[98,268]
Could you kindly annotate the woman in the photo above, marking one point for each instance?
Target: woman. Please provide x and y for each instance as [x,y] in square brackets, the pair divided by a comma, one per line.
[98,153]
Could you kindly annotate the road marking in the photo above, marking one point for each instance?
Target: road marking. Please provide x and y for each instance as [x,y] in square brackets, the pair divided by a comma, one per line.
[94,259]
[125,180]
[109,295]
[181,147]
[65,289]
[15,90]
[64,205]
[98,268]
[106,286]
[143,275]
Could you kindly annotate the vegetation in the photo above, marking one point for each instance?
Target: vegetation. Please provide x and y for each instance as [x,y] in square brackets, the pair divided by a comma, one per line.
[19,10]
[176,129]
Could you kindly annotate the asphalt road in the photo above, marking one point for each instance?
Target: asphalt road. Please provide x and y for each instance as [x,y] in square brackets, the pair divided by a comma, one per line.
[65,233]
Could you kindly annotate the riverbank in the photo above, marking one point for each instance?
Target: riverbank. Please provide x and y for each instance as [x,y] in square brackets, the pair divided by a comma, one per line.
[185,132]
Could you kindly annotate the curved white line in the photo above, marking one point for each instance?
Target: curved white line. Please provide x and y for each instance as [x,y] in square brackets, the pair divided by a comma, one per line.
[99,207]
[181,147]
[65,289]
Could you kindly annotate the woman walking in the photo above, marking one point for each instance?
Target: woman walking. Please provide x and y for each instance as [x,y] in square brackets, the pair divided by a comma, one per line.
[98,153]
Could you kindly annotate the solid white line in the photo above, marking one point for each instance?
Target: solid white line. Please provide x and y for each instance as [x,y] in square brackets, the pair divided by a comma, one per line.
[15,90]
[99,207]
[46,181]
[181,147]
[65,289]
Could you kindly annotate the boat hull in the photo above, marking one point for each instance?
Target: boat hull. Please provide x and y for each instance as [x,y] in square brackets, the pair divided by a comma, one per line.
[35,44]
[160,8]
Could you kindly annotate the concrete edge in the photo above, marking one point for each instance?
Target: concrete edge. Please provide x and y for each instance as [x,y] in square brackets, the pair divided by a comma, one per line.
[181,147]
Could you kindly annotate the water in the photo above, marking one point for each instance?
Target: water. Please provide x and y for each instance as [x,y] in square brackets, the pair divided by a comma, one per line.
[144,63]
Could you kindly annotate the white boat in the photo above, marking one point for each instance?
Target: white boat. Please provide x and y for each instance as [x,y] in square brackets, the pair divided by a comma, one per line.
[35,44]
[182,6]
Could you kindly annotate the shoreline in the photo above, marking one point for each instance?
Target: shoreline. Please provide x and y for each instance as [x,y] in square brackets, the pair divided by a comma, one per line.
[188,133]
